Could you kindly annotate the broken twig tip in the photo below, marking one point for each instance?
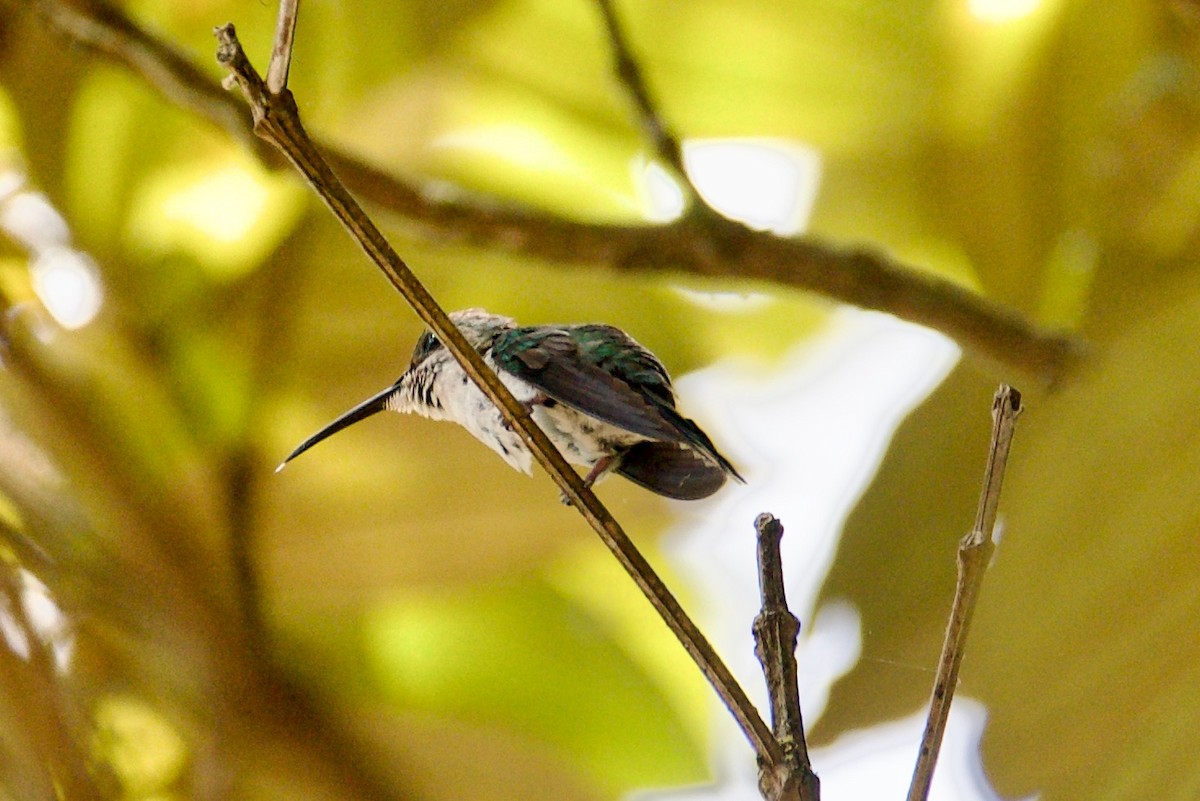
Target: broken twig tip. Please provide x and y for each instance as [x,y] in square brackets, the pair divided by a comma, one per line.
[767,523]
[1007,402]
[227,37]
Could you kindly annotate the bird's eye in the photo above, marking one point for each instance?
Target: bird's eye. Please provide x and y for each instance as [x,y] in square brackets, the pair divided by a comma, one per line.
[427,343]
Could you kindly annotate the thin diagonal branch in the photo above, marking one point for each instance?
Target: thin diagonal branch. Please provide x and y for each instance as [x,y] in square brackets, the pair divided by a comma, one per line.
[974,553]
[665,143]
[277,120]
[691,246]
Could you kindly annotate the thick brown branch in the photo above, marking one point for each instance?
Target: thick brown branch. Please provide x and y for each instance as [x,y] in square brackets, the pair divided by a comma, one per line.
[695,245]
[974,554]
[277,120]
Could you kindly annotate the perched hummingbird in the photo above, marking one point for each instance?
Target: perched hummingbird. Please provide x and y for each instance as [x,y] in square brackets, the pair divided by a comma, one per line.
[603,400]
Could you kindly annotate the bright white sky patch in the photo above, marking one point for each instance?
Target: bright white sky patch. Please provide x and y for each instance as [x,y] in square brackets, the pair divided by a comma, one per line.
[40,613]
[68,284]
[739,302]
[65,280]
[30,219]
[663,195]
[809,438]
[878,762]
[767,184]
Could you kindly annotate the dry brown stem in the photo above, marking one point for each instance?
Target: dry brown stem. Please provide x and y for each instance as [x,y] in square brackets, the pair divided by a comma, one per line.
[775,633]
[974,553]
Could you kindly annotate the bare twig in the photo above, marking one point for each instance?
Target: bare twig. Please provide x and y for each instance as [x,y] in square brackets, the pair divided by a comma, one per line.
[974,554]
[689,245]
[665,143]
[285,38]
[277,120]
[775,632]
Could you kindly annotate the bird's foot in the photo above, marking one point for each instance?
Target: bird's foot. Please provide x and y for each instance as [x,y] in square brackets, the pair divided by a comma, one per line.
[595,474]
[540,399]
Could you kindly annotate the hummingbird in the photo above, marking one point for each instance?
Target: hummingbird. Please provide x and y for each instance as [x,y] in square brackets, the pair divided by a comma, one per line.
[603,400]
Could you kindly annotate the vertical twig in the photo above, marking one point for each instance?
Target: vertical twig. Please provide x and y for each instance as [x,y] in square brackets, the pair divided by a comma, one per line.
[775,633]
[277,120]
[281,54]
[974,554]
[665,143]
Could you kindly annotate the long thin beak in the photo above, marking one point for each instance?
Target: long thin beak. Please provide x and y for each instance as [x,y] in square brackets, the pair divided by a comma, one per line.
[373,404]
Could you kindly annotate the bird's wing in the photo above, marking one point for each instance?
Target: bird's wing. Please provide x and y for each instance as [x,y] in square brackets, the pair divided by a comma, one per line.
[642,370]
[569,371]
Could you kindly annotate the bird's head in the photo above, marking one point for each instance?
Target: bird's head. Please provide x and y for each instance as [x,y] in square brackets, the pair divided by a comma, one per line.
[478,326]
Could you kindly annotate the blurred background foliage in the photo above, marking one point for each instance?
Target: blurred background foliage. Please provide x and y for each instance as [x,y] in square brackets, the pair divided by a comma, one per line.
[419,622]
